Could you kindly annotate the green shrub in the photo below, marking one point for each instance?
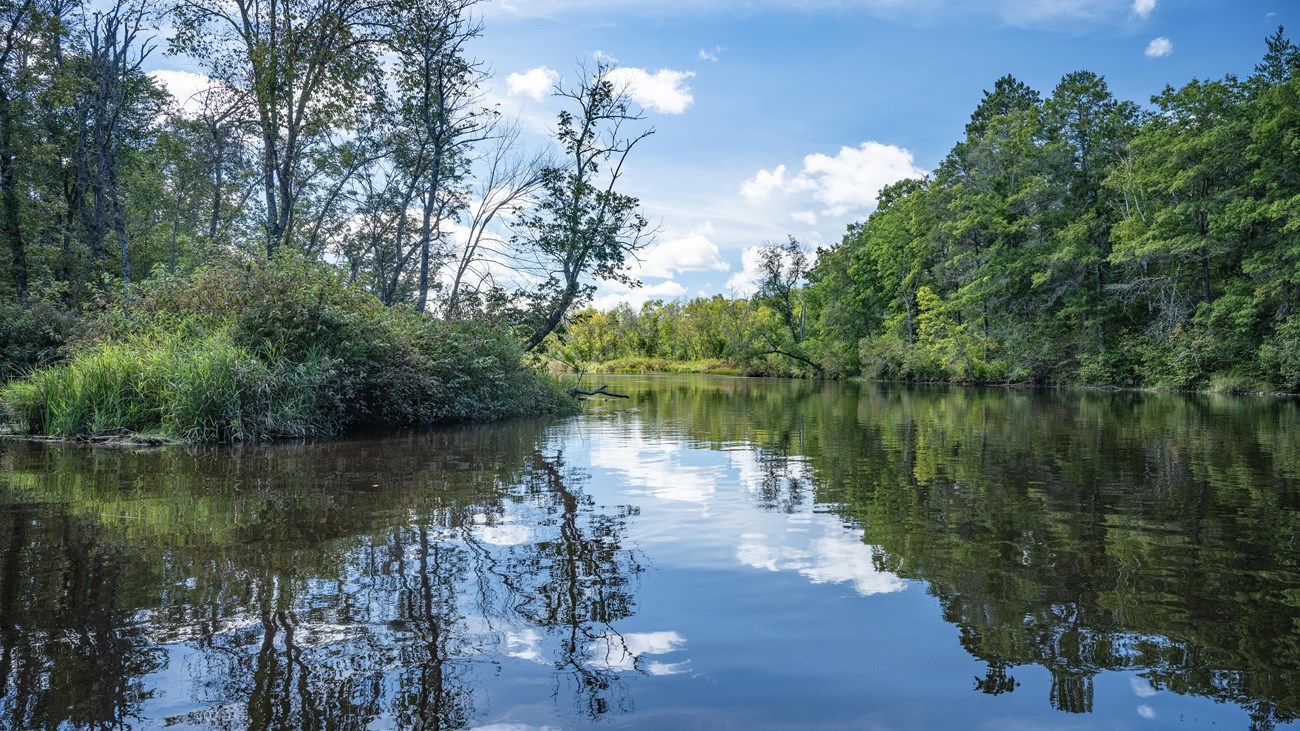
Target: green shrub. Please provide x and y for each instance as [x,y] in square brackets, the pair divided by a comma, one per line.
[31,335]
[237,353]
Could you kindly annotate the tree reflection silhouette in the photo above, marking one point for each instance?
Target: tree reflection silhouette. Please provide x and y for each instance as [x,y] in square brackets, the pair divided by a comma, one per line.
[1074,531]
[330,604]
[381,581]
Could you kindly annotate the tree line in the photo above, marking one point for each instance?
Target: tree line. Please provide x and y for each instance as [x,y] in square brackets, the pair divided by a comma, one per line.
[1067,238]
[353,132]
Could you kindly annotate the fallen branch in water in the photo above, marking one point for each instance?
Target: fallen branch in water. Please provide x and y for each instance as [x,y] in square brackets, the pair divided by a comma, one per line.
[598,392]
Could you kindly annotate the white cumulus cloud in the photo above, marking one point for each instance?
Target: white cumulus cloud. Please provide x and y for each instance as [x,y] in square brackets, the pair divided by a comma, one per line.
[1143,8]
[833,558]
[847,182]
[1142,687]
[1159,47]
[662,91]
[852,179]
[620,653]
[690,253]
[534,83]
[760,188]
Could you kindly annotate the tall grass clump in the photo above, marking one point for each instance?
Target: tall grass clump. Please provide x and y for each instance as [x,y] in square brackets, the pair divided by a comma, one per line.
[287,348]
[196,388]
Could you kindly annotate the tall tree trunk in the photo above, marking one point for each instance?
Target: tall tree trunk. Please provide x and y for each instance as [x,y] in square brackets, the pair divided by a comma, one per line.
[68,223]
[273,231]
[430,204]
[218,182]
[10,228]
[556,315]
[90,200]
[1205,276]
[426,239]
[117,215]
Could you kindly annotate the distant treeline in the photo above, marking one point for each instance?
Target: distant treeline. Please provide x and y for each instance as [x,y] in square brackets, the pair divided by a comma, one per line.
[1074,238]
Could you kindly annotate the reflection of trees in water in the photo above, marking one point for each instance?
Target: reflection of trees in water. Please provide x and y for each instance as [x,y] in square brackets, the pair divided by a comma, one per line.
[1085,534]
[783,485]
[576,582]
[573,582]
[70,652]
[1078,532]
[331,602]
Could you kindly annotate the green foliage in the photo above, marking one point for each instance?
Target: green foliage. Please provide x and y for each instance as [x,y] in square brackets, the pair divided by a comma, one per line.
[31,335]
[1279,355]
[238,353]
[203,388]
[1072,240]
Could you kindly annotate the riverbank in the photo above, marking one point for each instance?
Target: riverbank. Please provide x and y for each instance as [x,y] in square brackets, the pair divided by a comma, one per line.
[661,366]
[281,350]
[706,367]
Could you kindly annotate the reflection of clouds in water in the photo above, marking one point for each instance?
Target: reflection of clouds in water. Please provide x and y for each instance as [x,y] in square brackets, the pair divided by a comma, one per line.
[525,644]
[1142,688]
[816,546]
[1146,711]
[513,727]
[621,652]
[501,533]
[654,467]
[835,557]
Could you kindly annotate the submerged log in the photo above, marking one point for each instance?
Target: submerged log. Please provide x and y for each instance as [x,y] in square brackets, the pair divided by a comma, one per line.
[598,392]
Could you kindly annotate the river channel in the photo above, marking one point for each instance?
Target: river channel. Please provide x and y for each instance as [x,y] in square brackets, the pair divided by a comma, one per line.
[711,553]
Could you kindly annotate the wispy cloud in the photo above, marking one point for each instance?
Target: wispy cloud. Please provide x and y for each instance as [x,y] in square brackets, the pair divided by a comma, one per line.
[1159,47]
[1143,8]
[707,55]
[1049,14]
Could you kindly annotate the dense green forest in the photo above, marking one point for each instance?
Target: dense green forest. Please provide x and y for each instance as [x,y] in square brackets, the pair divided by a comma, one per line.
[344,150]
[336,229]
[1068,238]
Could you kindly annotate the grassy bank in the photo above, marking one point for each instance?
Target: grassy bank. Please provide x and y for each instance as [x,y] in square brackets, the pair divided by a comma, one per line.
[286,349]
[637,364]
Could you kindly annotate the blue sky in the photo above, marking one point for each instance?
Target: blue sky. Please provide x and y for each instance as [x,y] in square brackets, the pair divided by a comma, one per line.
[742,93]
[784,118]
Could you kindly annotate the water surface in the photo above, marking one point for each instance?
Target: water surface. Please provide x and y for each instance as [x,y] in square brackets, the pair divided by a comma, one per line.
[712,553]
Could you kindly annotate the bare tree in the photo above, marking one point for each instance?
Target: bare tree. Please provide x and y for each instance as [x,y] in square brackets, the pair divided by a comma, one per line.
[507,180]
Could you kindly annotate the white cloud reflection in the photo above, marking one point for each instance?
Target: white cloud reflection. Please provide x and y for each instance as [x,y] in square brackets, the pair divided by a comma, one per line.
[832,558]
[621,653]
[655,468]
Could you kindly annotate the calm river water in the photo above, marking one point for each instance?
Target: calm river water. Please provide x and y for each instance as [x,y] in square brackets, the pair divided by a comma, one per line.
[712,553]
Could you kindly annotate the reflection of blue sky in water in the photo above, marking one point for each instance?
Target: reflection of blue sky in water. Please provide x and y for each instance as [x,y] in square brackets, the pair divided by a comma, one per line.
[616,571]
[621,653]
[712,497]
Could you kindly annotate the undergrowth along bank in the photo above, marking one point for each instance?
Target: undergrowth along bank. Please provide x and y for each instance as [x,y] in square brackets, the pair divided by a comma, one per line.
[287,348]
